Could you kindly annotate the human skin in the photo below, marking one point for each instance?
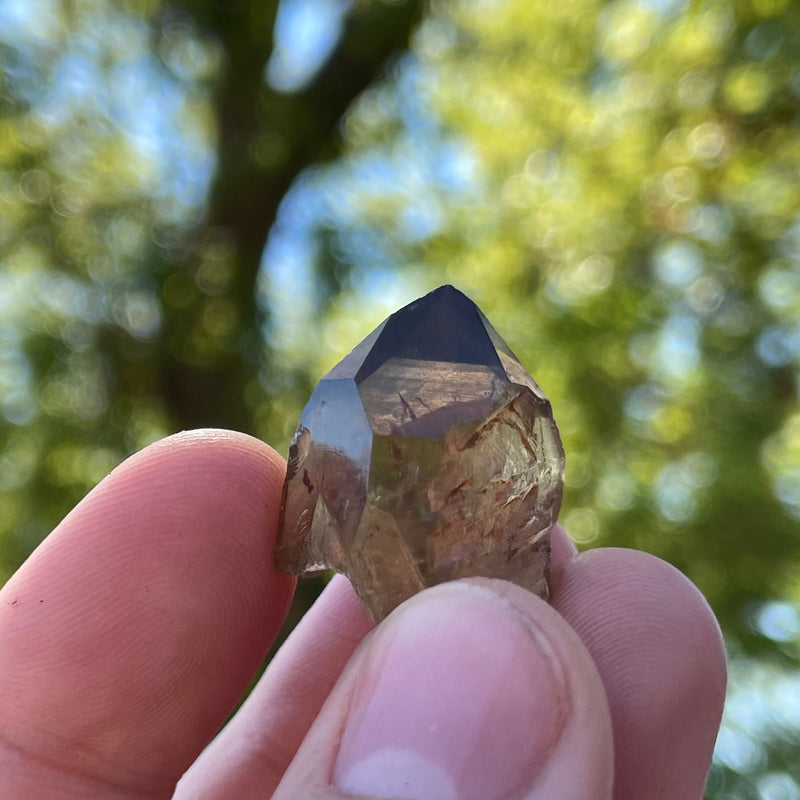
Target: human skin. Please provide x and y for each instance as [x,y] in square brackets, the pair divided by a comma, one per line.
[130,634]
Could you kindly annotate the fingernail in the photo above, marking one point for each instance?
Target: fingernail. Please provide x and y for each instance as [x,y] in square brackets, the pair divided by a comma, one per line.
[459,696]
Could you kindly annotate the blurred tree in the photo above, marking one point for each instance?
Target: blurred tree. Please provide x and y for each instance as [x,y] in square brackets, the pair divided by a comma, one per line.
[143,158]
[615,182]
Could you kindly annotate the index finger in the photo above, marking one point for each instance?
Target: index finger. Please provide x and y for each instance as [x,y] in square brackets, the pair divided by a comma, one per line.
[129,635]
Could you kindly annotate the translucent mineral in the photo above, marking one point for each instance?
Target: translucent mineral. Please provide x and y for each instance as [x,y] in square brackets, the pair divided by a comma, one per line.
[426,454]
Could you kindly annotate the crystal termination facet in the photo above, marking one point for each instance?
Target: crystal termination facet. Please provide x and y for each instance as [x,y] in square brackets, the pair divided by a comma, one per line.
[426,454]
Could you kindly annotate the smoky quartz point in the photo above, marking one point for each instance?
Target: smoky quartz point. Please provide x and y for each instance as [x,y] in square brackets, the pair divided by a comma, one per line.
[426,454]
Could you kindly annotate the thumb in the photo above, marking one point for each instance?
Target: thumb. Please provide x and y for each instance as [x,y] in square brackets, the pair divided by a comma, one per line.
[475,690]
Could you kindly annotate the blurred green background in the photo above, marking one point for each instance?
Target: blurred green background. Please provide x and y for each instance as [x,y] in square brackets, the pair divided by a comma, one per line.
[204,205]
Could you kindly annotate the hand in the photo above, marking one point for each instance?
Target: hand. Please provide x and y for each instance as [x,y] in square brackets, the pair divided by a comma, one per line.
[129,635]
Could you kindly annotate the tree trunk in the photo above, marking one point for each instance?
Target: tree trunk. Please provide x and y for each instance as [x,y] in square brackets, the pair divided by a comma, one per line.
[208,388]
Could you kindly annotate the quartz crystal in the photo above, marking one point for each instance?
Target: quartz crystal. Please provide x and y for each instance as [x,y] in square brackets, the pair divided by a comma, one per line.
[426,454]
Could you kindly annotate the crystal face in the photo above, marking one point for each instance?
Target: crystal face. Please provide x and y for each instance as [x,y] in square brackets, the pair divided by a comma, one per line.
[426,454]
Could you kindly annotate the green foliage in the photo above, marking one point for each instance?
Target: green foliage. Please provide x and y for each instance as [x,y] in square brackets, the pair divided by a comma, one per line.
[614,182]
[633,228]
